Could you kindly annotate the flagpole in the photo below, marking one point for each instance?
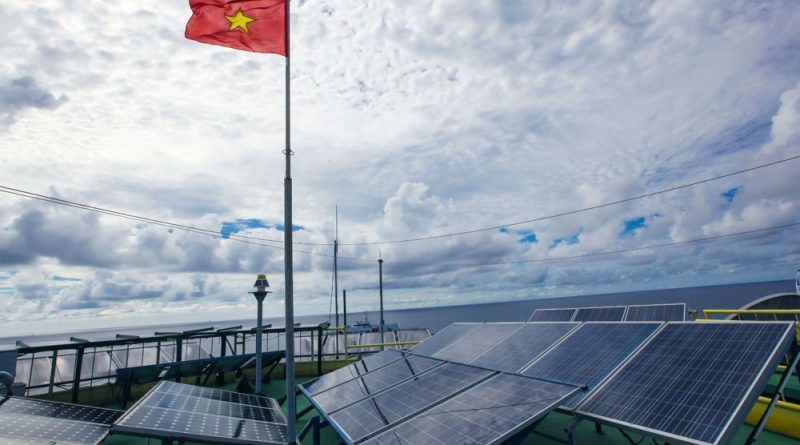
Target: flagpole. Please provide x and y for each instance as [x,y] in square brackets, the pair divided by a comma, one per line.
[288,270]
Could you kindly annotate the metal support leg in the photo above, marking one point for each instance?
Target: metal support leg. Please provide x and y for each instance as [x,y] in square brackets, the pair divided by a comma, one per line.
[571,430]
[778,394]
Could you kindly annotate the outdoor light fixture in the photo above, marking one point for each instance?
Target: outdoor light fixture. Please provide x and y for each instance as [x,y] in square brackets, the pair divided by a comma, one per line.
[260,292]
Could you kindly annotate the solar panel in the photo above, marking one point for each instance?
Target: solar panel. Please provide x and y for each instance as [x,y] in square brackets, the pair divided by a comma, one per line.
[590,353]
[693,382]
[371,415]
[352,371]
[607,313]
[443,338]
[372,382]
[656,312]
[552,315]
[518,349]
[185,412]
[488,413]
[44,421]
[472,344]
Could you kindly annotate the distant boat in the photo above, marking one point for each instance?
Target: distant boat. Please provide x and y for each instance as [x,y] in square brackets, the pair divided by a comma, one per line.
[364,326]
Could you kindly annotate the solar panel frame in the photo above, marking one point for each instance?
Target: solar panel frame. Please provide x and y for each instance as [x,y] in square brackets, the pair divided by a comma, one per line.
[553,314]
[751,395]
[604,313]
[443,338]
[523,346]
[562,361]
[43,420]
[242,428]
[630,313]
[477,341]
[507,391]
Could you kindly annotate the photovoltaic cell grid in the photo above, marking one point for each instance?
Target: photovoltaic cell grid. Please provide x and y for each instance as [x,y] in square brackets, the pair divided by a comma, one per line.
[488,413]
[472,344]
[692,382]
[552,315]
[371,415]
[33,420]
[608,313]
[177,411]
[590,353]
[656,312]
[349,372]
[372,382]
[518,349]
[443,338]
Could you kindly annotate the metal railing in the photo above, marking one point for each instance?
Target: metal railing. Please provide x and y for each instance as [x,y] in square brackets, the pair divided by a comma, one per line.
[81,363]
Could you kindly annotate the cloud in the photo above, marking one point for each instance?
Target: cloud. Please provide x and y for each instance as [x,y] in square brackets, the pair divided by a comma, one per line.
[19,94]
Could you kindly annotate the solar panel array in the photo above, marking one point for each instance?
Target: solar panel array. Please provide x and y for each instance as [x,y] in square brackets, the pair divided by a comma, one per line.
[185,412]
[469,394]
[353,370]
[692,382]
[40,421]
[638,312]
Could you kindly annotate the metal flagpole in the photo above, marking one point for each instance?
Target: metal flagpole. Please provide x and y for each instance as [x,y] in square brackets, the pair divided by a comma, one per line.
[288,271]
[336,278]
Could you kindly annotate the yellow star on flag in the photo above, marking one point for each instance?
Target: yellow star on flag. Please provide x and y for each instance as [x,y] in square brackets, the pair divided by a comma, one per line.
[239,21]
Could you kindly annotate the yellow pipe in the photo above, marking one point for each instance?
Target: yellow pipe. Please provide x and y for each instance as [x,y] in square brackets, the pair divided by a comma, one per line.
[707,312]
[784,419]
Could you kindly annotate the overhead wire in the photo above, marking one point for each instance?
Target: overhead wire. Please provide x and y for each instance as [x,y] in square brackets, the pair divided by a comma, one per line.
[163,223]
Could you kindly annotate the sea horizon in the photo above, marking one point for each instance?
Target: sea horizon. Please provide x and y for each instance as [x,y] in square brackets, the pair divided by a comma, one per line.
[434,318]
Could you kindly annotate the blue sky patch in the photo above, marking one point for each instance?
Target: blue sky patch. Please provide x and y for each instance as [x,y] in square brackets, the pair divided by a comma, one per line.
[568,240]
[632,225]
[528,236]
[730,194]
[231,227]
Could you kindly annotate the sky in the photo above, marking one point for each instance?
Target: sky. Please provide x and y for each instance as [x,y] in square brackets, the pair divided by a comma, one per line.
[417,119]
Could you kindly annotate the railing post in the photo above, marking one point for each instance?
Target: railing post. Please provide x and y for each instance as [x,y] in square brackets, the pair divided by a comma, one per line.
[178,353]
[53,366]
[319,350]
[76,378]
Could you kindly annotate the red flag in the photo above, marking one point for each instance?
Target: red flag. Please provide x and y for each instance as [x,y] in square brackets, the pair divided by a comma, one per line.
[250,25]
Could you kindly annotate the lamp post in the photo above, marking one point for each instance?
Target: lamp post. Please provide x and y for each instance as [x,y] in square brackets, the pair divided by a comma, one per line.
[260,292]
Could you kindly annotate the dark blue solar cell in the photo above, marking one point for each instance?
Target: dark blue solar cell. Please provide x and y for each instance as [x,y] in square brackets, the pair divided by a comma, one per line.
[370,415]
[608,313]
[444,338]
[518,349]
[472,344]
[590,353]
[552,315]
[693,380]
[490,412]
[30,420]
[372,382]
[656,312]
[352,371]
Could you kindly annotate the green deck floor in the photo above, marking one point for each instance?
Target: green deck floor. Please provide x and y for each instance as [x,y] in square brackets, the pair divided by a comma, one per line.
[552,425]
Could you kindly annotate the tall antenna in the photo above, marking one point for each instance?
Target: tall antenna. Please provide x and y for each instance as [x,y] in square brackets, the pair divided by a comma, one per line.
[336,277]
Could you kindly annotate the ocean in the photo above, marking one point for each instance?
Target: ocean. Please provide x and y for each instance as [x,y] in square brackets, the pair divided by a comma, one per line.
[728,296]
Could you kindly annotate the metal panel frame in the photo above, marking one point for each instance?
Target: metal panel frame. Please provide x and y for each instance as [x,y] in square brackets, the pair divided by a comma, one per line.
[739,413]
